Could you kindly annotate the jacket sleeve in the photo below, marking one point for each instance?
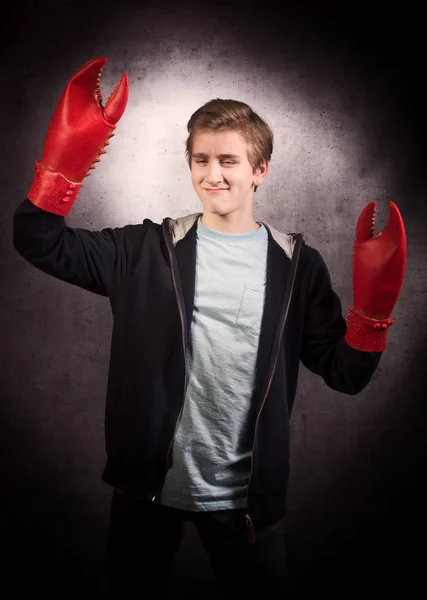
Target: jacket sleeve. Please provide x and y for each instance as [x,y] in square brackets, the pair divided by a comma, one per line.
[93,260]
[324,350]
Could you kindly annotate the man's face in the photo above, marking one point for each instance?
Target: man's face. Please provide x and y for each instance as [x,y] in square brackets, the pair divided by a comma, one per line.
[220,161]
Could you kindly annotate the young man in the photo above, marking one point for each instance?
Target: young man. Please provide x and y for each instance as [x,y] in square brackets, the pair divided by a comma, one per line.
[212,314]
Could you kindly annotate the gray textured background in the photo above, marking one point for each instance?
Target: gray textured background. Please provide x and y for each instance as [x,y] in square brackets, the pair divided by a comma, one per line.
[342,95]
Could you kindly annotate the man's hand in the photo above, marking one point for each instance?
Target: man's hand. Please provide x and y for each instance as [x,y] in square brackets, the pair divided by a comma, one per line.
[379,263]
[78,133]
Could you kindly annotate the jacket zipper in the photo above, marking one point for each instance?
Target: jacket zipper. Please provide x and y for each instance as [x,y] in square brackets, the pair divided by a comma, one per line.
[185,362]
[250,529]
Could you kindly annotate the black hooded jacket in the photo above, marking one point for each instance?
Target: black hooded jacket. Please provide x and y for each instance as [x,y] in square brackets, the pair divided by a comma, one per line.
[148,273]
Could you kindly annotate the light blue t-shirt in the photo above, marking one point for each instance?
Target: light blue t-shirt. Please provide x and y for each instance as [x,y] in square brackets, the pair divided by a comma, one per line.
[213,443]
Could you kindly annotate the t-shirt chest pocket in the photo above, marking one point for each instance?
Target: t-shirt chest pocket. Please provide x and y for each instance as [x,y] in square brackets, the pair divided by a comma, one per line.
[251,308]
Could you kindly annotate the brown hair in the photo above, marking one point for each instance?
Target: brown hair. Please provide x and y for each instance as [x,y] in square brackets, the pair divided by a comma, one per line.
[232,115]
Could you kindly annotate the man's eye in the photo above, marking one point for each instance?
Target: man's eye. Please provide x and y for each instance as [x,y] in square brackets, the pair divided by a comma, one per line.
[230,162]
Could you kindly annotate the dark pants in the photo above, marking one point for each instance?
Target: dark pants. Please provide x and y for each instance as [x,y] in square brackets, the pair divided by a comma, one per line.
[144,539]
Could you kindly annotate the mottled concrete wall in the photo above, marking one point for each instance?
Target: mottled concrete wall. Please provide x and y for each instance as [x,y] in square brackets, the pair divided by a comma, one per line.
[346,132]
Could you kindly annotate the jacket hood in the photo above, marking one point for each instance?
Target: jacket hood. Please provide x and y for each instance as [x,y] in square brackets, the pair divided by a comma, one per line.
[180,227]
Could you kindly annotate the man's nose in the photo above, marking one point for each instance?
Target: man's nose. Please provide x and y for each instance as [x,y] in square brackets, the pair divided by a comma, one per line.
[214,173]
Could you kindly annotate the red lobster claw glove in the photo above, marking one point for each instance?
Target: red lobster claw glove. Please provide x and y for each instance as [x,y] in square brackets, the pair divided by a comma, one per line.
[379,263]
[78,133]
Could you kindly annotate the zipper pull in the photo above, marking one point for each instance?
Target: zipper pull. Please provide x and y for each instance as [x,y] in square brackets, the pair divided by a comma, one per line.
[250,529]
